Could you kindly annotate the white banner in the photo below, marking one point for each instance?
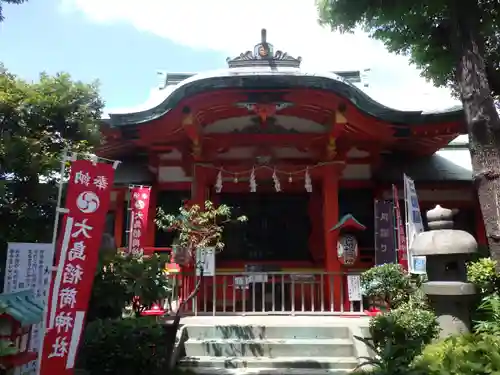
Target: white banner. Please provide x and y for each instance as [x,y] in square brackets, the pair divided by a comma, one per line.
[414,225]
[205,257]
[28,267]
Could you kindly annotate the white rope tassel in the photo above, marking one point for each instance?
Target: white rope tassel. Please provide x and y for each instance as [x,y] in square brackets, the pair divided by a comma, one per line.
[253,183]
[307,181]
[218,183]
[277,185]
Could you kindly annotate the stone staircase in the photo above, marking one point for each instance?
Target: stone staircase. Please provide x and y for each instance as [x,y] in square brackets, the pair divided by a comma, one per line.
[305,347]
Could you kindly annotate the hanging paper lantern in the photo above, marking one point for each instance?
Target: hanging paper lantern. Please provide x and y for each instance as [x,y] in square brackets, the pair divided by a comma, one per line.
[307,181]
[218,183]
[235,179]
[347,249]
[277,185]
[290,179]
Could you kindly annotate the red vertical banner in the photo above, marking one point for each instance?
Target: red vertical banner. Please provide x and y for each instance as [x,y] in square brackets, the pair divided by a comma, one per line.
[138,223]
[87,203]
[401,238]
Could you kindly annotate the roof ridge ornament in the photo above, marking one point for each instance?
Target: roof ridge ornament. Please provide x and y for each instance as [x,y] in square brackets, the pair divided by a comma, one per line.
[263,55]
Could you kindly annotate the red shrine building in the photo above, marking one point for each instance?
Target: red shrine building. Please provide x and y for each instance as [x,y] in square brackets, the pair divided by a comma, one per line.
[301,154]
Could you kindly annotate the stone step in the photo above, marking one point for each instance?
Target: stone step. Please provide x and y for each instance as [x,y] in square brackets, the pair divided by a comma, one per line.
[266,371]
[274,363]
[269,348]
[249,332]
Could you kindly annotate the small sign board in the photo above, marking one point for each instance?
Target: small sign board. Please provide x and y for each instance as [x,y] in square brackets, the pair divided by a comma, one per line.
[28,266]
[354,287]
[303,278]
[261,268]
[206,258]
[257,278]
[241,282]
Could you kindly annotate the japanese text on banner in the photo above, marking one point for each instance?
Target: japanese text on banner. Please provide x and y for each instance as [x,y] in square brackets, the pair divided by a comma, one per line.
[139,209]
[385,245]
[414,225]
[401,236]
[87,203]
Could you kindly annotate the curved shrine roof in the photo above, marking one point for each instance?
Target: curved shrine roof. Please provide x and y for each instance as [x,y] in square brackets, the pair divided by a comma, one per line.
[267,77]
[264,69]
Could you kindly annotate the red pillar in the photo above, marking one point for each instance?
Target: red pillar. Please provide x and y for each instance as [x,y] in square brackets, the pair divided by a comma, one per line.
[119,219]
[330,218]
[198,196]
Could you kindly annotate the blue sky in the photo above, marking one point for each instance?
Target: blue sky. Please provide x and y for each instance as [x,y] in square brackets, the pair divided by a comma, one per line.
[123,43]
[38,36]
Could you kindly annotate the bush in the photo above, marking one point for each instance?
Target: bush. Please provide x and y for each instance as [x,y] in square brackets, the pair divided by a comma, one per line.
[464,354]
[387,284]
[488,315]
[406,330]
[482,273]
[126,347]
[120,278]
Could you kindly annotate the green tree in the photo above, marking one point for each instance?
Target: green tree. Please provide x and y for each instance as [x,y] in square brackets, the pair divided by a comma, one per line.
[449,40]
[37,121]
[2,2]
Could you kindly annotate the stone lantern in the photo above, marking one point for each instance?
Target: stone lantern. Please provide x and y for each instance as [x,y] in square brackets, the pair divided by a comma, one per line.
[447,251]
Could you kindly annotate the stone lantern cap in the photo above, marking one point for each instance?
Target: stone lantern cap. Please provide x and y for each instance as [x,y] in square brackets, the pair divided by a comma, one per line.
[441,239]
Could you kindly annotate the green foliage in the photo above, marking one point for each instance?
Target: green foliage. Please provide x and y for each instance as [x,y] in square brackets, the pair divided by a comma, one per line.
[145,277]
[463,354]
[489,312]
[123,277]
[385,361]
[482,273]
[37,121]
[424,30]
[405,331]
[197,228]
[387,283]
[399,335]
[2,2]
[126,347]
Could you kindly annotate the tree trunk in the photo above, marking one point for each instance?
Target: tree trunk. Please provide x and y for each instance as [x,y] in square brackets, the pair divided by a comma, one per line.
[483,123]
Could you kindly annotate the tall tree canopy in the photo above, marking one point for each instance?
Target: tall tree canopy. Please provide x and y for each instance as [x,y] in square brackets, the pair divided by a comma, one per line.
[37,121]
[2,2]
[423,30]
[455,43]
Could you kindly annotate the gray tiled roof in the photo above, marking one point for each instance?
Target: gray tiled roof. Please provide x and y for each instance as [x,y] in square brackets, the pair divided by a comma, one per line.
[133,172]
[432,168]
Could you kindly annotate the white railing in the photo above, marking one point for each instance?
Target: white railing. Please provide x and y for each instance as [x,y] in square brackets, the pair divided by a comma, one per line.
[268,293]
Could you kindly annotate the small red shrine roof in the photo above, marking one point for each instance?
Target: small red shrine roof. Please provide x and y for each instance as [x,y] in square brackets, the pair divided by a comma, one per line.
[348,222]
[21,306]
[17,360]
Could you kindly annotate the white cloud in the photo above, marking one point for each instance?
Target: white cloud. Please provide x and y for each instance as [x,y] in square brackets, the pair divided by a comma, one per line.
[233,26]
